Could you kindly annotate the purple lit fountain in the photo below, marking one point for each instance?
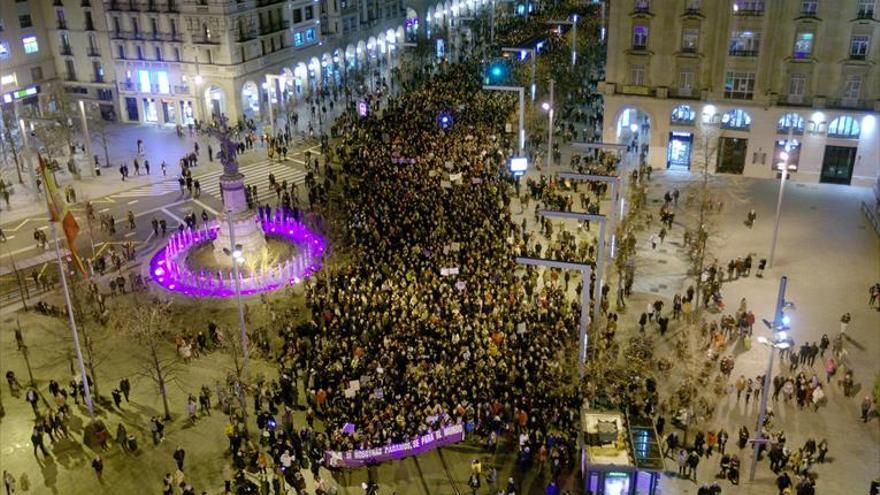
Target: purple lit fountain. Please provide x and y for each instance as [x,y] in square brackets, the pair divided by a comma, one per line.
[274,251]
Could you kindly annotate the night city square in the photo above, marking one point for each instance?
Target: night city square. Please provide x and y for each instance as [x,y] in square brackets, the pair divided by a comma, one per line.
[519,247]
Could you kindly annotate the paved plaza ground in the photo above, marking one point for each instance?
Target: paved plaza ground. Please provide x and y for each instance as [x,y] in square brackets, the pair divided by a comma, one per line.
[826,249]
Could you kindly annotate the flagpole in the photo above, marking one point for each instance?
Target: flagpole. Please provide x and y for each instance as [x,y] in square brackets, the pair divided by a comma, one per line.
[82,366]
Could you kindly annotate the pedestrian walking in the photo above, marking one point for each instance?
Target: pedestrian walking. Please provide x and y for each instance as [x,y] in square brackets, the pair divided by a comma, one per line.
[125,387]
[179,455]
[117,397]
[866,408]
[37,441]
[98,466]
[9,482]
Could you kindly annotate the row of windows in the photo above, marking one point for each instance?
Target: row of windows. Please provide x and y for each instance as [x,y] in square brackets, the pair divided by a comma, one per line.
[748,43]
[844,126]
[302,38]
[864,8]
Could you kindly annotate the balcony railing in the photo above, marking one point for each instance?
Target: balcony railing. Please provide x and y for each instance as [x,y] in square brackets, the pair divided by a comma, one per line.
[90,26]
[691,11]
[274,27]
[203,40]
[85,3]
[857,56]
[94,52]
[749,11]
[62,24]
[639,47]
[743,53]
[688,49]
[66,50]
[247,36]
[71,76]
[98,79]
[181,90]
[126,86]
[122,6]
[264,3]
[127,35]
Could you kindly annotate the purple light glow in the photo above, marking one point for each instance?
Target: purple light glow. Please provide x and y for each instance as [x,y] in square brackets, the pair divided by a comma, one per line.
[168,270]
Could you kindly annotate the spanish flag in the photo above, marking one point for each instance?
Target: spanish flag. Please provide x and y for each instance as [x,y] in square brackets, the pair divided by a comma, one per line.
[58,212]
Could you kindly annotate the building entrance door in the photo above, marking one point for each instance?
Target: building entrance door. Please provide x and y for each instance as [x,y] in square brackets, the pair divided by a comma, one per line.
[732,155]
[837,165]
[131,108]
[678,153]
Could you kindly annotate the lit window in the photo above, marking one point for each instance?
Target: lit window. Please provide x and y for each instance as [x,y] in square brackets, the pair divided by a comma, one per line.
[866,8]
[144,81]
[683,114]
[736,118]
[845,127]
[4,50]
[637,74]
[745,43]
[791,121]
[7,79]
[797,85]
[162,78]
[30,44]
[642,5]
[310,35]
[803,45]
[297,39]
[739,85]
[685,82]
[640,36]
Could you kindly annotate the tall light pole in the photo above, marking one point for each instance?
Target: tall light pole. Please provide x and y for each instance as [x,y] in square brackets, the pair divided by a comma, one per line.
[88,138]
[573,25]
[532,62]
[779,327]
[784,156]
[522,111]
[549,108]
[600,254]
[235,252]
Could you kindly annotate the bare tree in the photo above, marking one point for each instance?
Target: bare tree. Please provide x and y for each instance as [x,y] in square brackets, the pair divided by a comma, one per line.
[99,126]
[705,158]
[9,142]
[147,325]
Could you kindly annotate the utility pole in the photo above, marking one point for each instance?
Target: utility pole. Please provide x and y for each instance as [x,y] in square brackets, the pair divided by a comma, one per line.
[26,355]
[785,157]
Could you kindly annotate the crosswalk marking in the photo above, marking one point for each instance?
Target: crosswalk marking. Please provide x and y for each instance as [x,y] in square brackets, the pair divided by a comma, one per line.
[255,173]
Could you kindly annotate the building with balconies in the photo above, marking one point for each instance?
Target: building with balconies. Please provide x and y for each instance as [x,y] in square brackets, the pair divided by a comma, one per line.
[26,61]
[726,83]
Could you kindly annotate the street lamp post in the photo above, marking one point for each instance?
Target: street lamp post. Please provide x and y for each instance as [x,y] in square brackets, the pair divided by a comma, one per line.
[573,25]
[522,111]
[779,326]
[616,198]
[549,108]
[236,260]
[532,60]
[785,156]
[88,138]
[600,254]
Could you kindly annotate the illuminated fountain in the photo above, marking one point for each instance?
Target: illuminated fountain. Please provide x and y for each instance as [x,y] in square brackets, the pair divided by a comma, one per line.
[272,252]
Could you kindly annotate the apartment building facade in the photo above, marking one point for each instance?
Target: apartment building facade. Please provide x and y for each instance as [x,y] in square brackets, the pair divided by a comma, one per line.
[733,83]
[26,61]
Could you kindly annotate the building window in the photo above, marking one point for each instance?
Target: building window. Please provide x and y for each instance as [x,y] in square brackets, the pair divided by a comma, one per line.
[689,39]
[90,24]
[844,127]
[809,7]
[144,81]
[4,50]
[858,46]
[99,71]
[736,119]
[310,35]
[852,89]
[683,114]
[637,74]
[745,43]
[120,50]
[30,44]
[176,54]
[158,52]
[162,79]
[739,85]
[803,45]
[693,6]
[71,70]
[36,74]
[797,87]
[866,9]
[24,21]
[642,5]
[297,39]
[297,16]
[640,37]
[308,13]
[685,82]
[748,7]
[791,121]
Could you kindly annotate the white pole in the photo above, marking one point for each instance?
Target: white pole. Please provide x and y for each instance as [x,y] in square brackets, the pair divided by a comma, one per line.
[600,265]
[550,128]
[522,119]
[28,162]
[584,322]
[82,367]
[574,37]
[779,199]
[88,138]
[244,338]
[270,88]
[492,30]
[534,55]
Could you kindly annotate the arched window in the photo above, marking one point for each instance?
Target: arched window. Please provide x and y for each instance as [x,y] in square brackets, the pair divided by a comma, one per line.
[683,114]
[844,127]
[791,121]
[736,118]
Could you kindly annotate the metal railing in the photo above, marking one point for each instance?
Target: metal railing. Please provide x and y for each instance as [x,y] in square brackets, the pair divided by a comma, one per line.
[872,216]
